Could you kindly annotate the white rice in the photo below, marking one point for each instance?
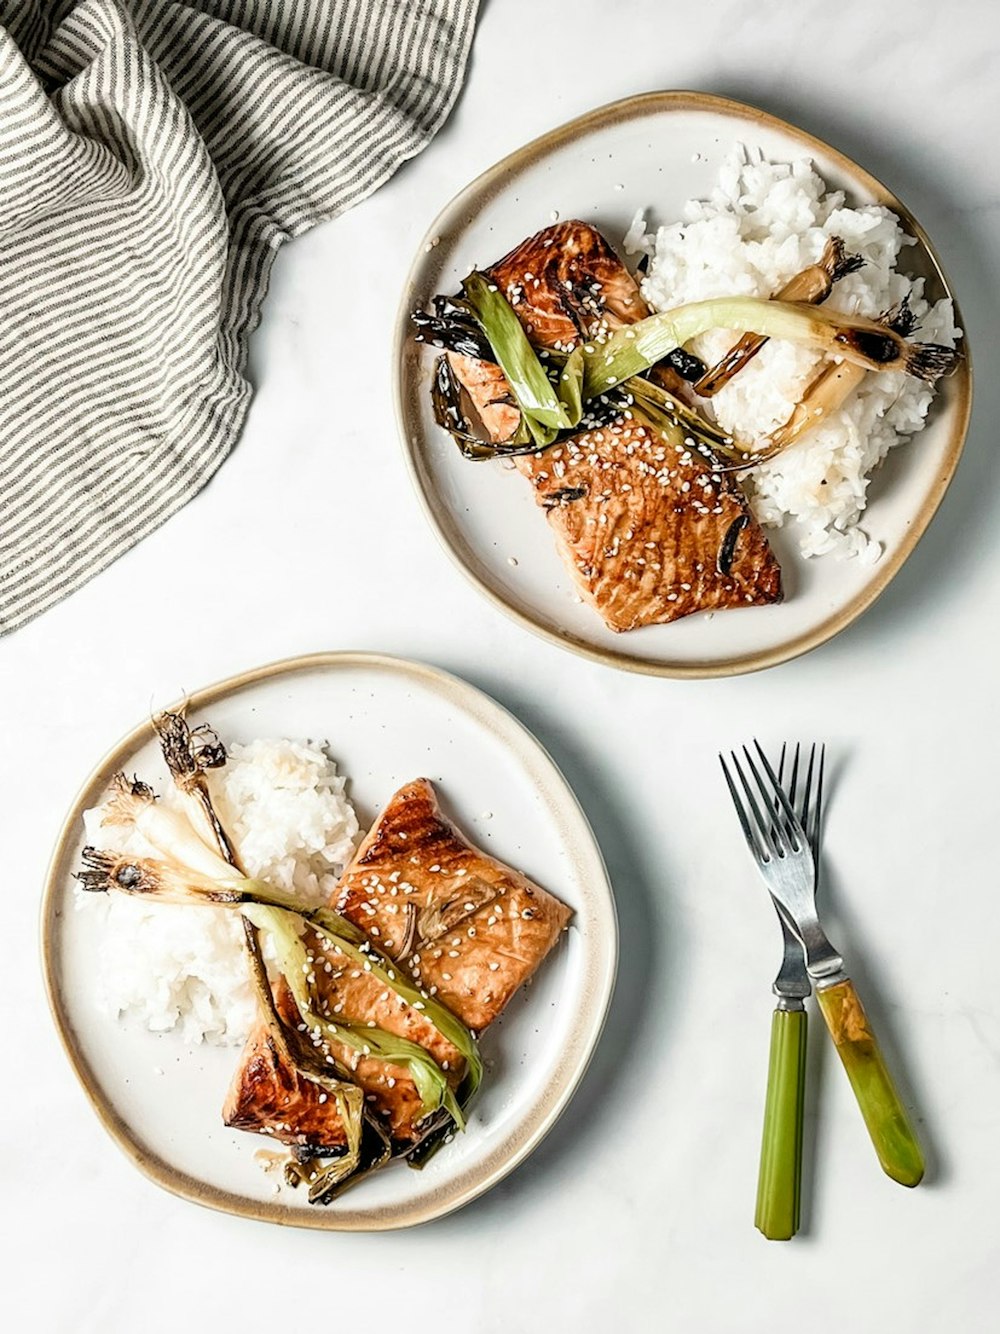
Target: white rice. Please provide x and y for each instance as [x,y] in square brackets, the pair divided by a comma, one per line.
[171,967]
[762,223]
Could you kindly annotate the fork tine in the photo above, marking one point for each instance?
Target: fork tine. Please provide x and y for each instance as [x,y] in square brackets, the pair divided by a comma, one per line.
[804,817]
[767,831]
[793,784]
[772,804]
[790,816]
[816,822]
[788,832]
[748,832]
[781,770]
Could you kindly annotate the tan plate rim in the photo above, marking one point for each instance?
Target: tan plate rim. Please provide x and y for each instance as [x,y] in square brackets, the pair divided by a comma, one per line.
[600,971]
[496,178]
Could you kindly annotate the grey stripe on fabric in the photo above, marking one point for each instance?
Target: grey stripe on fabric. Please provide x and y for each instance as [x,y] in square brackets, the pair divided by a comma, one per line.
[153,156]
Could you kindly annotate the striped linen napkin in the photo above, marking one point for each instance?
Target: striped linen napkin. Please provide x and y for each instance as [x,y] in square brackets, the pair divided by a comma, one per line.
[153,157]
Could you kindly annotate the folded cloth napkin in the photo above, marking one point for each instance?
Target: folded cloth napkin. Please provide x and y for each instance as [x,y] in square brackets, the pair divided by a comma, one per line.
[153,157]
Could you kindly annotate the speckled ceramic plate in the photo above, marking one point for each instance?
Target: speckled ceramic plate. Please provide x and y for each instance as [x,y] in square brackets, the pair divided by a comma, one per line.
[386,721]
[654,151]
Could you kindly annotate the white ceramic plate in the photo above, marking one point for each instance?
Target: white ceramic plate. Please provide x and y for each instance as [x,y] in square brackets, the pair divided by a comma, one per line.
[654,151]
[387,721]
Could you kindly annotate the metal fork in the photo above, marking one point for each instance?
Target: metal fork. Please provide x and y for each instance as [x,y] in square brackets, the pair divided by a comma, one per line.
[779,1179]
[778,842]
[791,985]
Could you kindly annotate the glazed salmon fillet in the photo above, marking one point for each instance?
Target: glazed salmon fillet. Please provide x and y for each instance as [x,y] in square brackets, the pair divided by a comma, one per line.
[566,282]
[650,530]
[463,924]
[269,1097]
[650,527]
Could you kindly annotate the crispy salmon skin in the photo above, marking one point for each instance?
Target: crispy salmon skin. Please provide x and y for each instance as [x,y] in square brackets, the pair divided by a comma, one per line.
[650,526]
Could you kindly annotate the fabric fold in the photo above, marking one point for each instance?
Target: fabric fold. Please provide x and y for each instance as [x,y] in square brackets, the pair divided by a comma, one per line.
[153,158]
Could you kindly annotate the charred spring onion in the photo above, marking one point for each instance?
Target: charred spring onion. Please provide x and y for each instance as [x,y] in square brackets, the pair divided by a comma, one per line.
[545,409]
[188,870]
[363,1152]
[829,389]
[352,943]
[189,753]
[632,350]
[450,326]
[171,880]
[826,392]
[551,402]
[661,409]
[299,972]
[812,285]
[367,1146]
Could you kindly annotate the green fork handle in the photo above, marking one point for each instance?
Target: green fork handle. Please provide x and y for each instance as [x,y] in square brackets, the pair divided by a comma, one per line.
[885,1116]
[779,1183]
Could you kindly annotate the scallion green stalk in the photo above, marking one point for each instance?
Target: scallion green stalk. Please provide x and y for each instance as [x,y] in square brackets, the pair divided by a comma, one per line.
[189,754]
[282,916]
[187,871]
[344,936]
[295,965]
[594,368]
[347,1096]
[541,407]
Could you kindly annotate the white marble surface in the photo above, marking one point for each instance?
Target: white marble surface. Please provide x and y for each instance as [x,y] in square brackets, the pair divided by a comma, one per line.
[637,1212]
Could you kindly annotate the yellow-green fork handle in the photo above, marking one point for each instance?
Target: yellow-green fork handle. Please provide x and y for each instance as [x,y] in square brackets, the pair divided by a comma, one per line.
[885,1116]
[779,1183]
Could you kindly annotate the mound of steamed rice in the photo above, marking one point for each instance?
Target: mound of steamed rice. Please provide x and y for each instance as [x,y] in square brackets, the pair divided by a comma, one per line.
[762,223]
[172,967]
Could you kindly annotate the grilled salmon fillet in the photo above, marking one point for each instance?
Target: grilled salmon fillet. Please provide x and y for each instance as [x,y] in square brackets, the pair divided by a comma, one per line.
[650,530]
[268,1096]
[465,925]
[650,527]
[566,282]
